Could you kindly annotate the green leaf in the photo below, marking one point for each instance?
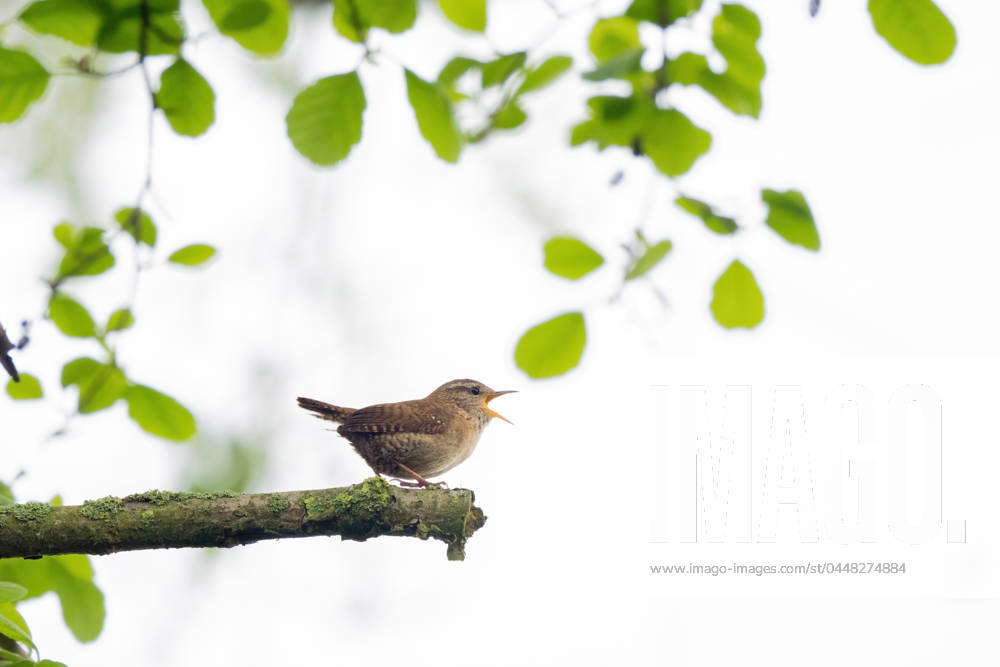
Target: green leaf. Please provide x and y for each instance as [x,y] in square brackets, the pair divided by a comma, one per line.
[28,388]
[496,72]
[12,625]
[352,18]
[22,81]
[735,32]
[119,320]
[552,347]
[11,592]
[264,38]
[71,318]
[916,28]
[186,98]
[100,385]
[673,142]
[511,115]
[468,14]
[245,15]
[137,224]
[570,257]
[545,73]
[712,220]
[77,21]
[435,117]
[454,69]
[614,121]
[789,215]
[159,414]
[78,370]
[662,12]
[736,298]
[325,120]
[192,255]
[620,67]
[651,256]
[122,29]
[86,254]
[71,578]
[612,37]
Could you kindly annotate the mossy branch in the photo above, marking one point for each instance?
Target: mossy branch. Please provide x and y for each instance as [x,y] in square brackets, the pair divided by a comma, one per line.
[167,520]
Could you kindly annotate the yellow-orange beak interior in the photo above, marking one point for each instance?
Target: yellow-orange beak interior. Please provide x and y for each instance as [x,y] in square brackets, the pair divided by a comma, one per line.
[493,413]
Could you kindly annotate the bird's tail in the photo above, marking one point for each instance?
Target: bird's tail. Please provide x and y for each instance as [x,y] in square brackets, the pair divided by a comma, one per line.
[322,410]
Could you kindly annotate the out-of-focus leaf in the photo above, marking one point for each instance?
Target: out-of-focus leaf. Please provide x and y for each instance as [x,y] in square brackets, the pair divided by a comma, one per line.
[137,224]
[736,298]
[662,12]
[673,142]
[545,73]
[186,98]
[11,592]
[122,29]
[614,36]
[87,254]
[22,81]
[100,385]
[552,347]
[511,115]
[70,317]
[454,69]
[12,625]
[614,121]
[325,120]
[71,577]
[77,21]
[712,220]
[468,14]
[735,32]
[159,414]
[918,29]
[264,38]
[245,15]
[570,257]
[496,72]
[119,320]
[650,257]
[353,18]
[788,214]
[27,389]
[435,117]
[620,67]
[192,255]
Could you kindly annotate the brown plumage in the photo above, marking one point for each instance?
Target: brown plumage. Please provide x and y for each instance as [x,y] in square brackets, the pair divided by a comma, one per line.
[415,439]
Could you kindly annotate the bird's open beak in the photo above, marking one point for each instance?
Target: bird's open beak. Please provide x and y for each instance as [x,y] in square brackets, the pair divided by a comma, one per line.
[489,397]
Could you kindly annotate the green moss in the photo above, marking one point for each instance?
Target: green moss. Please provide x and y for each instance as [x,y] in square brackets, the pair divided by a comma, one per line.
[103,508]
[147,517]
[362,502]
[27,511]
[277,504]
[157,497]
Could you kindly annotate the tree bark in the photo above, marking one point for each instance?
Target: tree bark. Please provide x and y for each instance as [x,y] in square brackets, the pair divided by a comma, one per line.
[166,520]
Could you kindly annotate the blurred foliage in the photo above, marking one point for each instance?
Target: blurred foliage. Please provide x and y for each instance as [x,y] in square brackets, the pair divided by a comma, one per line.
[70,577]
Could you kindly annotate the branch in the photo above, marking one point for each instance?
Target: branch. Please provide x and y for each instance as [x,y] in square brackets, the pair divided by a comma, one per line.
[167,520]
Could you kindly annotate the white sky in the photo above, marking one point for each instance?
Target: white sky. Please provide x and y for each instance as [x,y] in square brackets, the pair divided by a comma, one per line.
[394,272]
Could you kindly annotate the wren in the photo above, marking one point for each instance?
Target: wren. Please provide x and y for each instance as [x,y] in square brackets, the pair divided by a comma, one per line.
[416,439]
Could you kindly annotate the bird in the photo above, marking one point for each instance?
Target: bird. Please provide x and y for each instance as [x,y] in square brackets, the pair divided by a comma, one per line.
[414,440]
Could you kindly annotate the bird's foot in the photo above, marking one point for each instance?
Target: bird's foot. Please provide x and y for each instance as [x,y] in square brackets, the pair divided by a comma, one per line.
[420,484]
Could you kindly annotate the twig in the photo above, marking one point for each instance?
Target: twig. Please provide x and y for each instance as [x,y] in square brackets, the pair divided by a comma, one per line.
[166,520]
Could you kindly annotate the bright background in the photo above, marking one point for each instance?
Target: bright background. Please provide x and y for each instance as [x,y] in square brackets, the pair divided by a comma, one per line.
[382,278]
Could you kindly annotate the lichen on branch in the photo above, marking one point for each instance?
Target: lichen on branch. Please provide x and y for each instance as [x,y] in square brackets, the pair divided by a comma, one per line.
[166,519]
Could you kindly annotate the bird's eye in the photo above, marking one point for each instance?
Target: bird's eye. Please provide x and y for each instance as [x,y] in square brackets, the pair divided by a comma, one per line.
[474,391]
